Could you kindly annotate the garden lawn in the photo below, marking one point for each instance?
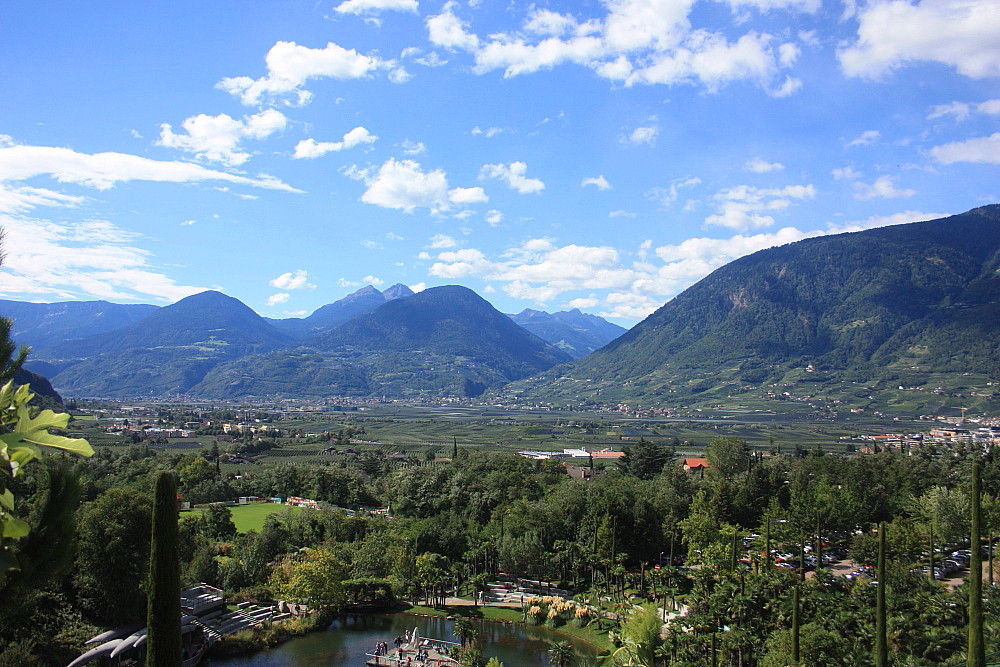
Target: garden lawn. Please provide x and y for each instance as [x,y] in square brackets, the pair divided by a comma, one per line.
[251,517]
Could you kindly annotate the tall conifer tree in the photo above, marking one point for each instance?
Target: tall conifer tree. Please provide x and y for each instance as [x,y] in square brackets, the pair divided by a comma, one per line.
[881,638]
[976,650]
[163,617]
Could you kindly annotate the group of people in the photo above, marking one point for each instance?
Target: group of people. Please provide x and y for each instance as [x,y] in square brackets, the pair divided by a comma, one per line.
[421,659]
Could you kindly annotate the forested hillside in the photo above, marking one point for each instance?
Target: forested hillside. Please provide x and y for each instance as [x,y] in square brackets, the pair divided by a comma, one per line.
[915,305]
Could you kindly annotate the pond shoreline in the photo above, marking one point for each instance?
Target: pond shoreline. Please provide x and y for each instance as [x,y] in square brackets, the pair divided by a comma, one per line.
[348,634]
[569,635]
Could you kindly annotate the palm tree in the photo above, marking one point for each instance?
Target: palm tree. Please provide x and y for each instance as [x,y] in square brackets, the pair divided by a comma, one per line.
[561,654]
[466,630]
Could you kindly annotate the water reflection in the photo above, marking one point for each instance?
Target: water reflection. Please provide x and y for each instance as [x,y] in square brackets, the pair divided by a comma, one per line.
[350,637]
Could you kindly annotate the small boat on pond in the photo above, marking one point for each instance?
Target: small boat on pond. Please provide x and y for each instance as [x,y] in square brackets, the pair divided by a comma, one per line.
[412,650]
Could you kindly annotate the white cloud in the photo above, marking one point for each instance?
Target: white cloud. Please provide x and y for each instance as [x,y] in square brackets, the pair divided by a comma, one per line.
[882,188]
[984,150]
[745,207]
[668,195]
[344,282]
[991,107]
[709,58]
[621,214]
[517,56]
[494,217]
[892,33]
[447,30]
[467,196]
[845,173]
[599,182]
[958,110]
[275,299]
[373,281]
[460,263]
[788,53]
[413,147]
[310,148]
[583,302]
[218,138]
[404,185]
[636,42]
[290,66]
[865,138]
[392,236]
[105,170]
[187,223]
[432,59]
[808,6]
[360,7]
[760,166]
[549,23]
[90,259]
[789,86]
[418,287]
[26,198]
[659,25]
[441,241]
[642,135]
[489,132]
[399,75]
[290,281]
[513,175]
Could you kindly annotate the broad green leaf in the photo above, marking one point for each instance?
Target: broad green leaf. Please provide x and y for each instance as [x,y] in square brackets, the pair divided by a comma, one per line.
[45,420]
[15,528]
[7,499]
[35,430]
[24,452]
[73,445]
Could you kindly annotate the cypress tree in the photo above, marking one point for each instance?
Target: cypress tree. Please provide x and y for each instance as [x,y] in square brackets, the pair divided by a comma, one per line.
[163,616]
[976,649]
[930,574]
[796,625]
[881,639]
[767,545]
[734,555]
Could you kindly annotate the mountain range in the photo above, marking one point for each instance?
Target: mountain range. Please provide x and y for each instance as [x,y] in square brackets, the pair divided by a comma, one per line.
[444,341]
[902,318]
[463,345]
[898,317]
[576,333]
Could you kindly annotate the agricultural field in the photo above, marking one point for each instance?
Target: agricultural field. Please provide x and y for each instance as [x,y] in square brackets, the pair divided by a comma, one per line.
[429,432]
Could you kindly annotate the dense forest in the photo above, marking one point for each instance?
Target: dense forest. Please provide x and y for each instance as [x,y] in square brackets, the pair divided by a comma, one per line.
[461,522]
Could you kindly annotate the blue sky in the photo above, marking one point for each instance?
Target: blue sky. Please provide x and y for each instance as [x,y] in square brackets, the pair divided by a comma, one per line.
[600,155]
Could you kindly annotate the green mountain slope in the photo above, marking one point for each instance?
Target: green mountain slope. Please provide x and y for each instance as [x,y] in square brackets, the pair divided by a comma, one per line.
[442,341]
[165,353]
[575,333]
[839,318]
[47,325]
